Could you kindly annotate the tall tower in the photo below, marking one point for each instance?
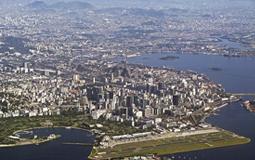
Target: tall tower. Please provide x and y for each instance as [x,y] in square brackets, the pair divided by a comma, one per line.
[125,61]
[124,69]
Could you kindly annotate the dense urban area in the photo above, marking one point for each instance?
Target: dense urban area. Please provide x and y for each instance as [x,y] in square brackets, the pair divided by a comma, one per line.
[70,58]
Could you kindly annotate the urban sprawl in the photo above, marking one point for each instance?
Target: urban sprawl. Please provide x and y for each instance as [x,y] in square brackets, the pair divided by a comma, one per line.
[54,62]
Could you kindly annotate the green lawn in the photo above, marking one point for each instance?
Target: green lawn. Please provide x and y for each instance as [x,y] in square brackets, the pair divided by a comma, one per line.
[173,145]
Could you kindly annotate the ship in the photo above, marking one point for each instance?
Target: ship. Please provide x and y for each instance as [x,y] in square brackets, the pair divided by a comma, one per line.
[249,105]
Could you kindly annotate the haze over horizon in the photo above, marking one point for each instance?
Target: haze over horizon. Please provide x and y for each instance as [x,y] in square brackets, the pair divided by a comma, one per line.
[127,79]
[154,4]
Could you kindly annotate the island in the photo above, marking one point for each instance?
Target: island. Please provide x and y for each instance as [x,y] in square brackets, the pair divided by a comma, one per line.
[215,69]
[170,57]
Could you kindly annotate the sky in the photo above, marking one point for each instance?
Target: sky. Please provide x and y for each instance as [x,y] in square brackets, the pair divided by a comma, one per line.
[157,4]
[194,4]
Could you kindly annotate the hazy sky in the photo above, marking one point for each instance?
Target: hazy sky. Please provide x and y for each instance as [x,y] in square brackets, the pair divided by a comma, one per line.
[194,4]
[185,4]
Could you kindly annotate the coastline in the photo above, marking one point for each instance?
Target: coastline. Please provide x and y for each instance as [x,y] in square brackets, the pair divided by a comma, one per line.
[234,140]
[29,142]
[171,144]
[37,142]
[93,151]
[191,53]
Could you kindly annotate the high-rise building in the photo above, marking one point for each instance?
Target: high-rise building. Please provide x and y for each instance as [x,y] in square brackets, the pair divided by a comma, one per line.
[130,101]
[25,65]
[176,100]
[76,78]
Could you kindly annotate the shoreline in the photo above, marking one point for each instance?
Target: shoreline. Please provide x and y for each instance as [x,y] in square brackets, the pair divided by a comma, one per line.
[197,53]
[29,142]
[92,152]
[67,127]
[171,144]
[37,142]
[240,140]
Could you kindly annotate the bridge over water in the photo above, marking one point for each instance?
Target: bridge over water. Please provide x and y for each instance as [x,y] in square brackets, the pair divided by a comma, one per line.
[242,94]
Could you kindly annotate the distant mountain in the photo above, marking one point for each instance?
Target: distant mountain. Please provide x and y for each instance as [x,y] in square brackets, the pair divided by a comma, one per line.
[74,5]
[146,12]
[133,11]
[38,5]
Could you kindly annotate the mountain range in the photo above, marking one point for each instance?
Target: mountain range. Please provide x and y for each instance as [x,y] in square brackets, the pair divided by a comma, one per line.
[73,5]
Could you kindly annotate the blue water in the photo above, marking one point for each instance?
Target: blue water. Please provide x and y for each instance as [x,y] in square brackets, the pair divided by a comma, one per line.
[53,150]
[236,75]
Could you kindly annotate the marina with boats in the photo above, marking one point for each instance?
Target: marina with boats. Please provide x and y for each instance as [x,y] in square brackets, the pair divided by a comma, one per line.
[28,137]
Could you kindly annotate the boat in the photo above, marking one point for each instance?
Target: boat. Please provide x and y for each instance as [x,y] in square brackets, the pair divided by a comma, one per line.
[249,105]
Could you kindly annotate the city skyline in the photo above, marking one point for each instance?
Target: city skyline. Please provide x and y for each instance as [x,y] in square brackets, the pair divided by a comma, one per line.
[139,79]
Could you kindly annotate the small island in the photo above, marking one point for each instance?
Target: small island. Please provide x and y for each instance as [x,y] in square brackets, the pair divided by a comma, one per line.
[216,69]
[170,57]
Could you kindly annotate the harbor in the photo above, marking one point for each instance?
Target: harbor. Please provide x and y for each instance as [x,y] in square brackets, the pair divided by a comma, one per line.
[27,137]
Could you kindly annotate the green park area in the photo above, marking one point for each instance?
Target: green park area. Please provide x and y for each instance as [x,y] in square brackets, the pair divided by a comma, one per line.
[10,125]
[170,145]
[161,146]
